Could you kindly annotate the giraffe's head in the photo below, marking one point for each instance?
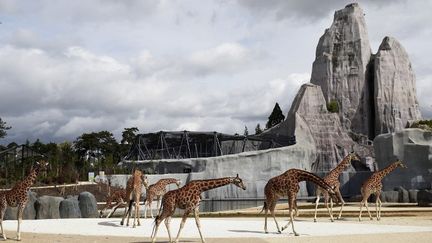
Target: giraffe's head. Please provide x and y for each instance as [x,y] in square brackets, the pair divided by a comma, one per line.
[238,182]
[400,164]
[144,180]
[42,165]
[178,183]
[353,156]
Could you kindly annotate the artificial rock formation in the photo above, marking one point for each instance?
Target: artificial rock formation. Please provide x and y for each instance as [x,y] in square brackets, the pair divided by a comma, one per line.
[375,93]
[414,147]
[341,68]
[395,98]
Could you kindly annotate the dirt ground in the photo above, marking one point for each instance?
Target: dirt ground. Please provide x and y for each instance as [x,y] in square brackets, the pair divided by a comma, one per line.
[382,238]
[417,237]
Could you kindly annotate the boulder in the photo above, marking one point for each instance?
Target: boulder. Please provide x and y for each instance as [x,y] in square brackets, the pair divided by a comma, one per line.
[29,210]
[395,96]
[341,68]
[413,195]
[47,207]
[389,196]
[69,208]
[88,205]
[414,147]
[424,198]
[403,194]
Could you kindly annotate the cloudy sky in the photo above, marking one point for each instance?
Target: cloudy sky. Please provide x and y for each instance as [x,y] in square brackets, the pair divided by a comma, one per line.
[68,67]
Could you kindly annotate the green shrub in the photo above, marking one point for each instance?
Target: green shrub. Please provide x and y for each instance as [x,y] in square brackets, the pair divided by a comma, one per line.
[423,124]
[333,106]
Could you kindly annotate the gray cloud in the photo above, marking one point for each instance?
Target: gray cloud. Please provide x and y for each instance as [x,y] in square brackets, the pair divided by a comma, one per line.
[305,10]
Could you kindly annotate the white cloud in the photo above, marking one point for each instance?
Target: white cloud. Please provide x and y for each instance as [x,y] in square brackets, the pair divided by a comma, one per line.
[78,66]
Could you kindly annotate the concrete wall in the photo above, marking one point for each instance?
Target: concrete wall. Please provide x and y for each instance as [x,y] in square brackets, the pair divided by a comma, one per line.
[255,168]
[414,147]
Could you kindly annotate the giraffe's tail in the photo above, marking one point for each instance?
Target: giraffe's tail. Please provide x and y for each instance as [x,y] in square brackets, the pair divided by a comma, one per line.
[130,207]
[156,220]
[307,176]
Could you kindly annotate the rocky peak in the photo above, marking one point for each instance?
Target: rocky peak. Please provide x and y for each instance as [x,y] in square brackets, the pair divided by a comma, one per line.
[340,68]
[395,91]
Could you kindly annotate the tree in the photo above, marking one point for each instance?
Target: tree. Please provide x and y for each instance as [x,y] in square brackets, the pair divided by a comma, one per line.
[258,129]
[246,132]
[128,135]
[94,148]
[275,117]
[3,128]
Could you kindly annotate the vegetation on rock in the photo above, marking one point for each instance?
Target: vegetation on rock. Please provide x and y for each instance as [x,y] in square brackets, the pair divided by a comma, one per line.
[333,106]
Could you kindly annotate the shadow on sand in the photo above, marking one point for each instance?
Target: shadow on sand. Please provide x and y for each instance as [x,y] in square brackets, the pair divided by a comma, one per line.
[111,224]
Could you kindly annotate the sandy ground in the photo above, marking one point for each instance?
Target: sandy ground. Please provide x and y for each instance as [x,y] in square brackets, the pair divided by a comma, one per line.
[389,229]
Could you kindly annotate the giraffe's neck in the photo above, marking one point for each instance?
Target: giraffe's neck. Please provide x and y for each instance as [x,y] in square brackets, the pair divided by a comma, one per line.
[31,178]
[387,170]
[339,168]
[168,181]
[206,185]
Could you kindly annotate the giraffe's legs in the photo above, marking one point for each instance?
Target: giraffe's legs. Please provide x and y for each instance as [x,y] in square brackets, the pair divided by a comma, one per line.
[156,227]
[316,205]
[167,212]
[145,209]
[167,224]
[326,199]
[272,211]
[378,206]
[198,224]
[2,213]
[185,215]
[271,206]
[338,193]
[291,203]
[291,220]
[19,216]
[331,209]
[137,212]
[113,209]
[363,202]
[367,208]
[265,219]
[127,212]
[296,210]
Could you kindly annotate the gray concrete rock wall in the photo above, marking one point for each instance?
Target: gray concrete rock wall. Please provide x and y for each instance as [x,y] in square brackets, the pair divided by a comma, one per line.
[395,97]
[309,115]
[88,205]
[340,68]
[256,168]
[47,207]
[69,208]
[414,147]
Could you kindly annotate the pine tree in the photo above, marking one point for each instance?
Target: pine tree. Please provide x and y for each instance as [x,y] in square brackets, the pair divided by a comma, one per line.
[258,129]
[3,128]
[246,132]
[275,117]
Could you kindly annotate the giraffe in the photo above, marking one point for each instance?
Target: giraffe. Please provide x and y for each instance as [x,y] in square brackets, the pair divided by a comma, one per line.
[188,198]
[157,190]
[18,196]
[287,184]
[119,197]
[373,185]
[133,194]
[333,180]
